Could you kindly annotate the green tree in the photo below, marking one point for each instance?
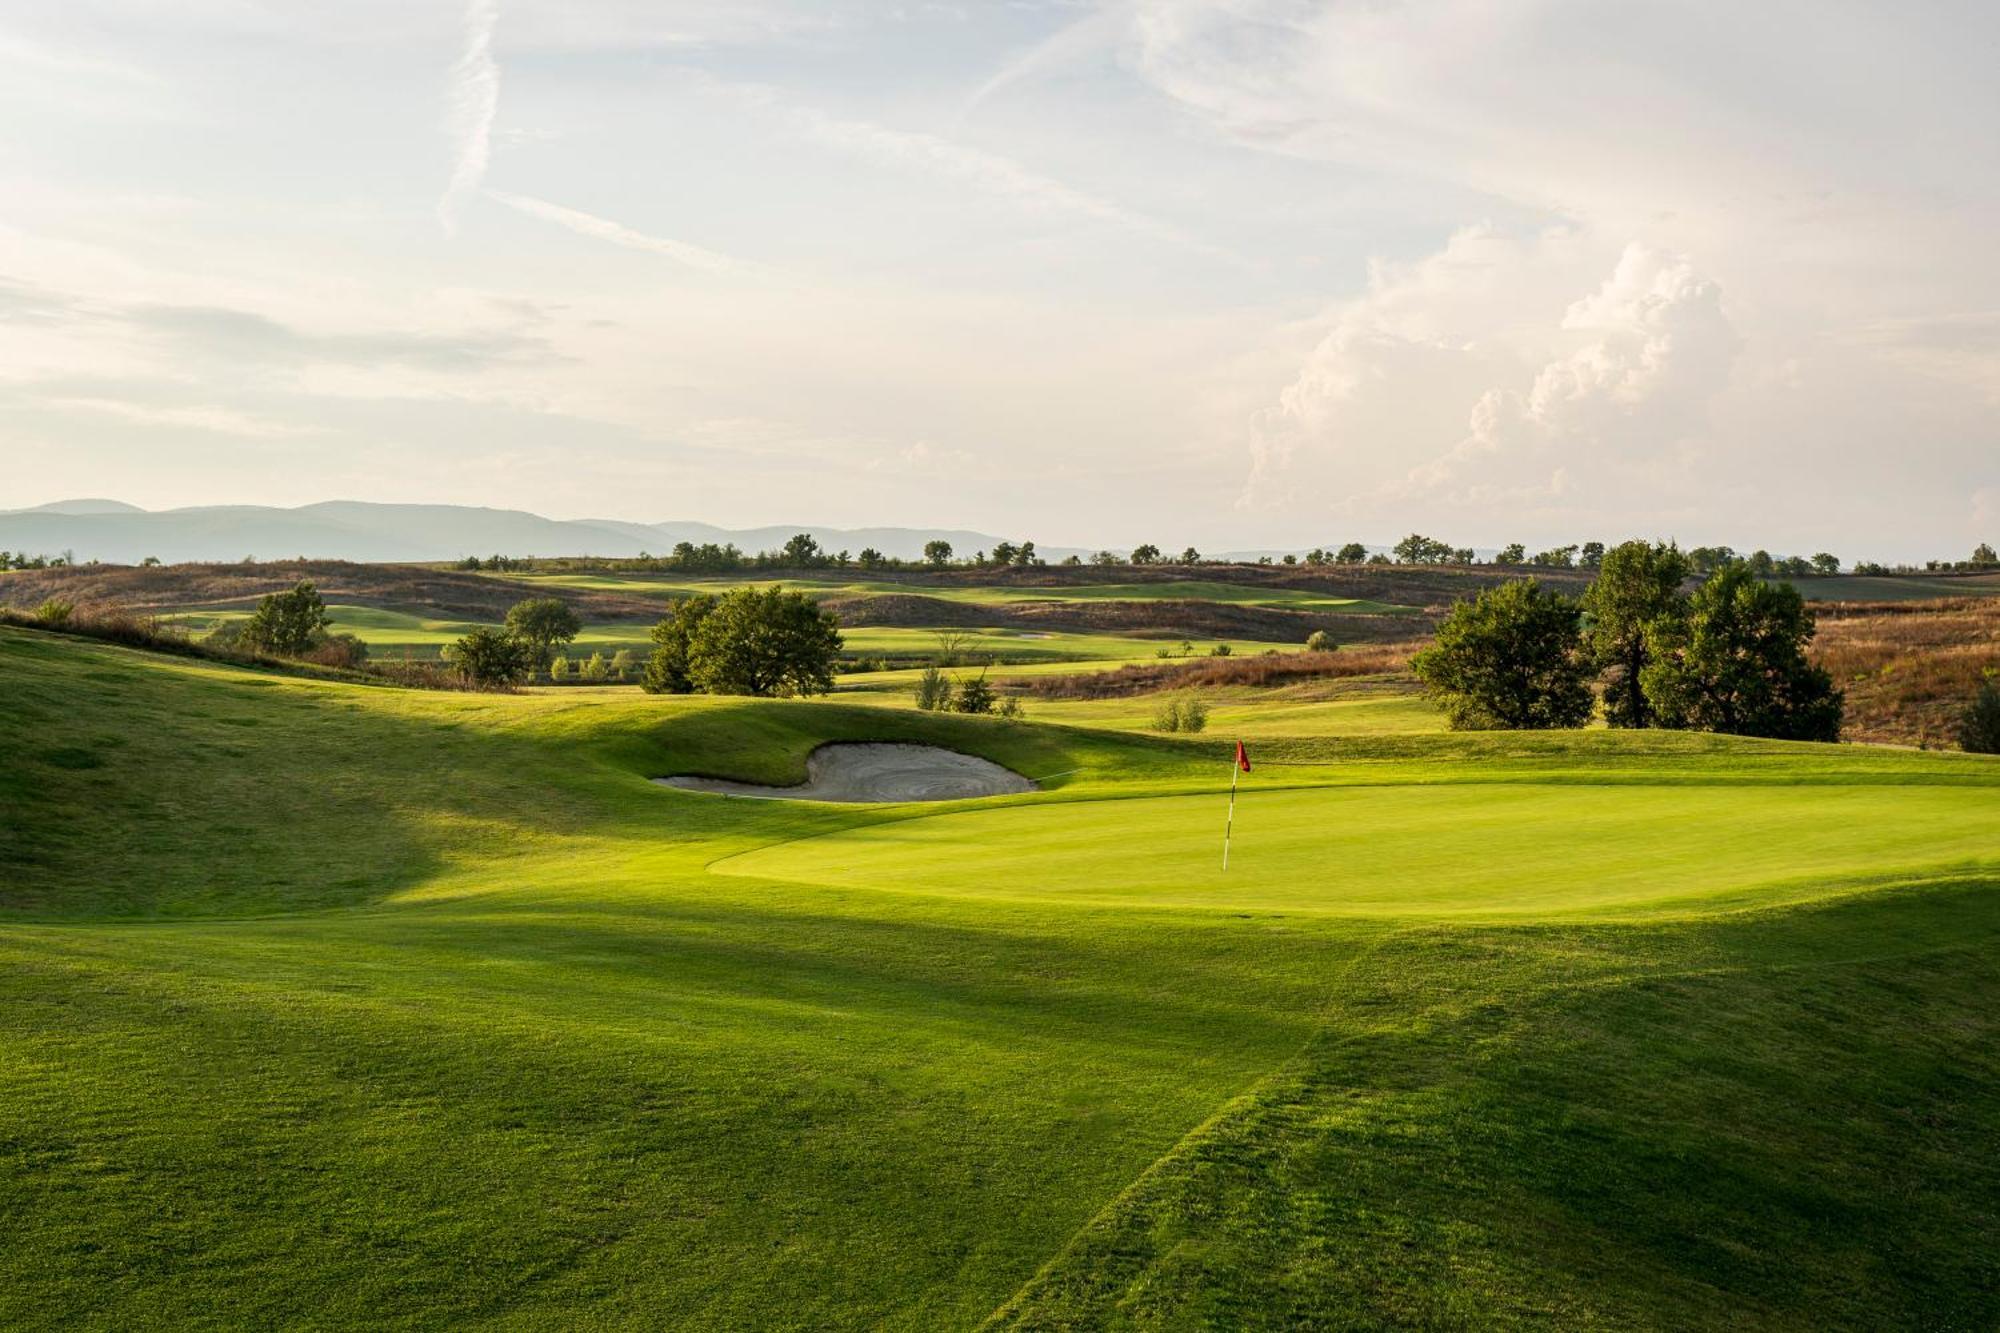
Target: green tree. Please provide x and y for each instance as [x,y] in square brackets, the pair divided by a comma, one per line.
[1737,663]
[974,696]
[1979,729]
[1319,641]
[933,690]
[937,554]
[802,551]
[594,667]
[489,657]
[1026,555]
[1983,555]
[1513,553]
[621,664]
[1559,557]
[1510,658]
[544,624]
[1190,556]
[1417,549]
[1351,554]
[667,667]
[1147,554]
[287,623]
[1592,555]
[764,641]
[1826,563]
[1004,553]
[872,558]
[1638,586]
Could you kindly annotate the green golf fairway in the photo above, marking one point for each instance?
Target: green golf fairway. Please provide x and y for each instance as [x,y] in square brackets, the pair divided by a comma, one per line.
[344,1006]
[1420,851]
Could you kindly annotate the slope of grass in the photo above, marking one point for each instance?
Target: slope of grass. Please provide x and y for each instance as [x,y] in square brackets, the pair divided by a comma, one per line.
[364,1008]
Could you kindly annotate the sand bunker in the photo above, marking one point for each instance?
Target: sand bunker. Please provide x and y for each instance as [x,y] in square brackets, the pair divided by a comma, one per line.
[878,772]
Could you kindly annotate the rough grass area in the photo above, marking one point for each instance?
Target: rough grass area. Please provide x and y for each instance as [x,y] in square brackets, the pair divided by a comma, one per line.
[356,1007]
[1216,672]
[1909,668]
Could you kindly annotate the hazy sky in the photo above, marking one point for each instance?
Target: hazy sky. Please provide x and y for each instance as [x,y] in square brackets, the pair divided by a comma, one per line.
[1237,273]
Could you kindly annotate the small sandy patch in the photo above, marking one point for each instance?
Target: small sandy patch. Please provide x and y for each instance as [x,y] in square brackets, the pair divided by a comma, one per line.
[878,772]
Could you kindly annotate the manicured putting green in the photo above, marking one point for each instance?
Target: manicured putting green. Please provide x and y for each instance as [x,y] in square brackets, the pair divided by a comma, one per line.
[1466,849]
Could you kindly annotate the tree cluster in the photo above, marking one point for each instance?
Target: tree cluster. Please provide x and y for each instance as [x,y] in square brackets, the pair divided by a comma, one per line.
[520,648]
[1730,657]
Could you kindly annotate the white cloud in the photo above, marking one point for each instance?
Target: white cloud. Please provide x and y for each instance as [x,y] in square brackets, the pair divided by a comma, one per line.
[604,229]
[472,102]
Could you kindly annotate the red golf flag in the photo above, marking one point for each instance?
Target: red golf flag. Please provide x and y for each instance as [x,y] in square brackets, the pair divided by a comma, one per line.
[1242,757]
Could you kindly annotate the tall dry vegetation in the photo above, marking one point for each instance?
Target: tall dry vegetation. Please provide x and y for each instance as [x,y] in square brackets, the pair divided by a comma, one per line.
[1910,669]
[1202,672]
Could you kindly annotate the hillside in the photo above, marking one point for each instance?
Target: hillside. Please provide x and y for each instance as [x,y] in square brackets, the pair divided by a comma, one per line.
[116,533]
[416,1009]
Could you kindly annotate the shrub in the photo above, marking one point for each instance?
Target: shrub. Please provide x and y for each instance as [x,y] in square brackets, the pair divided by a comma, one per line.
[337,650]
[1511,659]
[558,666]
[974,696]
[489,657]
[934,690]
[1220,650]
[621,664]
[1011,710]
[55,611]
[594,667]
[1319,641]
[1979,729]
[1185,713]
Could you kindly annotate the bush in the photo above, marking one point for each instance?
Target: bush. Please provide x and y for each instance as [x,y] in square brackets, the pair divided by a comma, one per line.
[934,690]
[974,696]
[621,664]
[1979,730]
[1220,650]
[1011,710]
[337,650]
[55,611]
[489,657]
[1185,713]
[1319,641]
[595,668]
[558,666]
[1511,658]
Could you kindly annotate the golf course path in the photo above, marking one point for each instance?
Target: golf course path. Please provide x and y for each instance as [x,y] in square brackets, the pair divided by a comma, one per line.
[860,771]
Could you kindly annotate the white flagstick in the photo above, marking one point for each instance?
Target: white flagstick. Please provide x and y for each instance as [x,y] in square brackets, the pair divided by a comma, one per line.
[1229,824]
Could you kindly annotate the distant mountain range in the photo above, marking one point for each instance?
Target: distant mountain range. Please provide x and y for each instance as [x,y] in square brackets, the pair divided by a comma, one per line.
[119,533]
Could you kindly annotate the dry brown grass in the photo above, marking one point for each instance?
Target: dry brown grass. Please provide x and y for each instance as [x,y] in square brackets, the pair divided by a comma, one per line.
[1267,669]
[1909,668]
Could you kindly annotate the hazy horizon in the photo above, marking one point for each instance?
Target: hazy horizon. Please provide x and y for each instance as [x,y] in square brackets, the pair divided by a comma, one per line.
[1254,275]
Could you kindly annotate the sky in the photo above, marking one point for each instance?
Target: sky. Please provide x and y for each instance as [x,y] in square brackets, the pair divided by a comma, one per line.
[1251,273]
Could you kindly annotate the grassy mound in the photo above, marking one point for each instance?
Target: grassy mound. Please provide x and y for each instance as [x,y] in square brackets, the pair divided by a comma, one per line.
[389,1009]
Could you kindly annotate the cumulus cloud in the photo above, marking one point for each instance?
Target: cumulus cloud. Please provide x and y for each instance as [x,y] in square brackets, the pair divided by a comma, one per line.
[1482,376]
[472,102]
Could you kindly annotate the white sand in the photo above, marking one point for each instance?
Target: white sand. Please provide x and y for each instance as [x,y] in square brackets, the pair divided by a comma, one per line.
[878,772]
